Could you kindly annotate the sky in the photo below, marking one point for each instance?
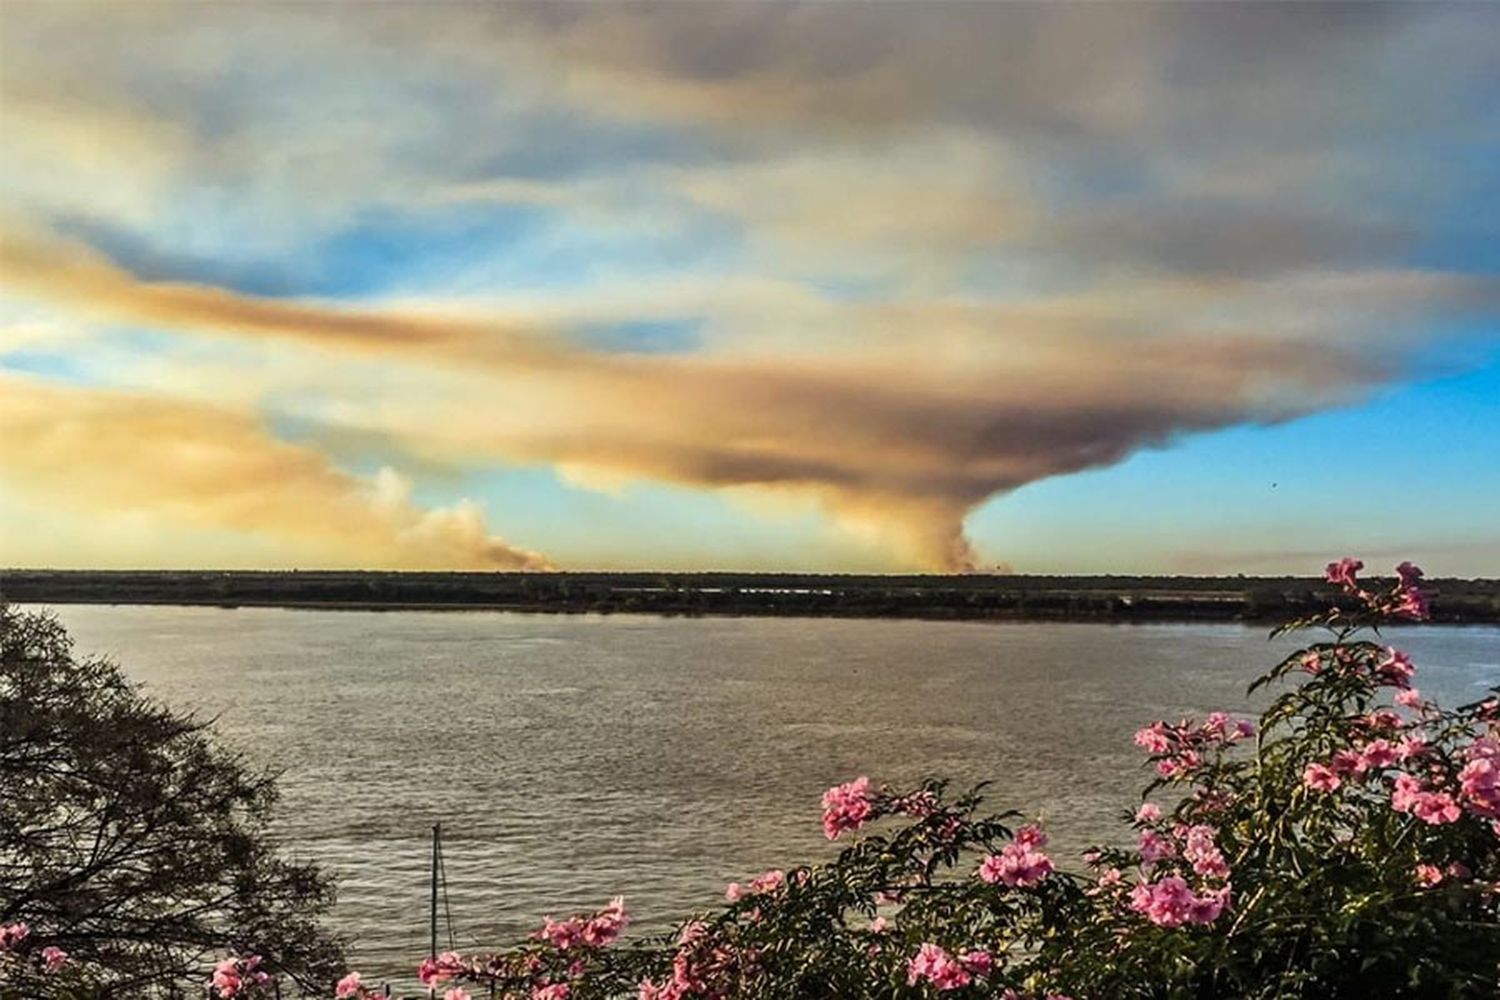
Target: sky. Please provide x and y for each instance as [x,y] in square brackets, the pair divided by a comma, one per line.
[862,287]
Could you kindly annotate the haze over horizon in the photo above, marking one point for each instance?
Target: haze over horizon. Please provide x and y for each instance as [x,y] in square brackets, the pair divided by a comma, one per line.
[1067,288]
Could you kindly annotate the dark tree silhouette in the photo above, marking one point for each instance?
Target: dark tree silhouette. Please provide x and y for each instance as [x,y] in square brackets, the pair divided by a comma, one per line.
[132,840]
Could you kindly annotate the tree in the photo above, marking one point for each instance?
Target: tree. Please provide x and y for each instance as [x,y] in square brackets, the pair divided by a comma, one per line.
[132,840]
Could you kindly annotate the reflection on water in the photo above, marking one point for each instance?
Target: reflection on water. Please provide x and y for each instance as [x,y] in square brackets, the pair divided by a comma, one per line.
[573,758]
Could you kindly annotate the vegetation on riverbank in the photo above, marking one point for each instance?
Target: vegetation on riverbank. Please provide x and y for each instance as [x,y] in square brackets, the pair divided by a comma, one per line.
[978,597]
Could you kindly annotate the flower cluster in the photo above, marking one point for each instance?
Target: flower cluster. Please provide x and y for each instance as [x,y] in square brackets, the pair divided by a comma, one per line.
[1179,750]
[704,965]
[1405,599]
[1409,794]
[1479,780]
[761,885]
[352,987]
[16,938]
[947,972]
[12,935]
[1166,897]
[1385,747]
[238,975]
[437,969]
[548,972]
[847,807]
[1171,902]
[596,931]
[1020,863]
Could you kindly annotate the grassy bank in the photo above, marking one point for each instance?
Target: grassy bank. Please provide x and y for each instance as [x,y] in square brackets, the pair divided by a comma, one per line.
[969,597]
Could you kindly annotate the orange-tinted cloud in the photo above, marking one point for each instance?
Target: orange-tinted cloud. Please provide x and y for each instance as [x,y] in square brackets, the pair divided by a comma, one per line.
[899,445]
[198,466]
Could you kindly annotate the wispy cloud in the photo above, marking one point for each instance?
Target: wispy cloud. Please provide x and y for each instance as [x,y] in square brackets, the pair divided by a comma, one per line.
[99,452]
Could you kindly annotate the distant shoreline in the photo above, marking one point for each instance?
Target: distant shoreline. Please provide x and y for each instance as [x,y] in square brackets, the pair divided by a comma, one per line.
[1104,599]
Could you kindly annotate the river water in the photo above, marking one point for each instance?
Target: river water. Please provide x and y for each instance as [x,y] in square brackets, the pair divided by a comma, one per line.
[572,758]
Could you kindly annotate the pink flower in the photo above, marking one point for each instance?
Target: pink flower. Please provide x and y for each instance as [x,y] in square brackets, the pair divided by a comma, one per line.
[1153,738]
[879,925]
[1375,755]
[650,991]
[1149,812]
[53,958]
[936,966]
[1153,847]
[734,892]
[979,962]
[233,974]
[1171,903]
[1018,864]
[1436,808]
[1345,762]
[226,978]
[1311,662]
[918,804]
[560,934]
[1412,745]
[11,935]
[1205,908]
[1412,601]
[1204,853]
[1410,698]
[1343,573]
[1182,763]
[1429,875]
[1396,670]
[1410,574]
[1405,789]
[447,965]
[555,991]
[1110,878]
[1320,778]
[349,986]
[1030,837]
[1479,780]
[1165,903]
[847,807]
[769,882]
[605,926]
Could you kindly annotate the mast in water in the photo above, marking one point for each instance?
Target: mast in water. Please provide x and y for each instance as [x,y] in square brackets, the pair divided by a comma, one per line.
[437,834]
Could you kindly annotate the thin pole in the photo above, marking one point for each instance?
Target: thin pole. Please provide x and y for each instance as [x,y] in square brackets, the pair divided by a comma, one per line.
[437,832]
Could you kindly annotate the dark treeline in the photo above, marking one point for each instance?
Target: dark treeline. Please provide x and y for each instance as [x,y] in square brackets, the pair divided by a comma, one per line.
[976,596]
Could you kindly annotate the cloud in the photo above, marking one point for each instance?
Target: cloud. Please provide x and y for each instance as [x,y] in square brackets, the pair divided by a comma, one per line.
[899,444]
[926,256]
[196,466]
